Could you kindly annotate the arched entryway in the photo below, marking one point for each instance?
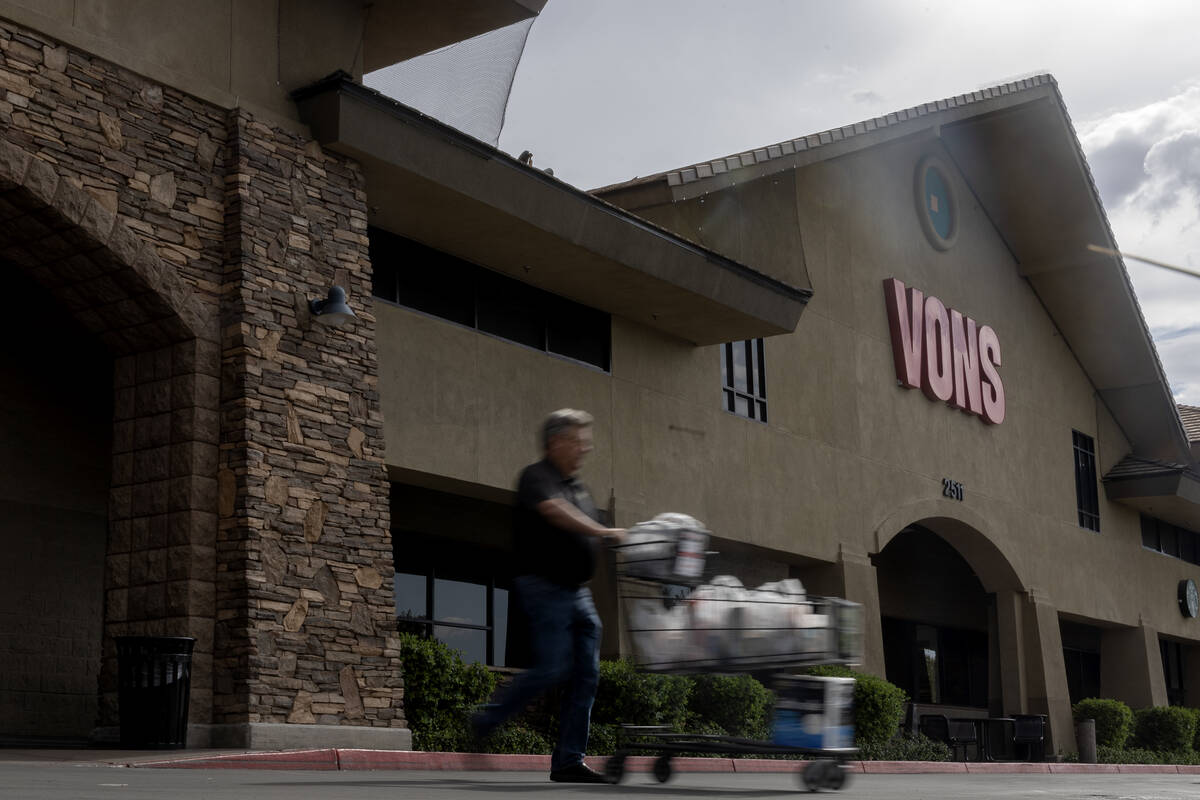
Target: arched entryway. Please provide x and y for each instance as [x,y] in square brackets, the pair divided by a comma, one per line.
[947,584]
[935,618]
[109,443]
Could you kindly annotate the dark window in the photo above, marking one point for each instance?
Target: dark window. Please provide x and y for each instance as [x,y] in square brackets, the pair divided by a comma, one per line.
[1087,500]
[511,310]
[1149,532]
[454,568]
[470,616]
[1163,537]
[1083,673]
[743,379]
[1173,671]
[936,664]
[410,274]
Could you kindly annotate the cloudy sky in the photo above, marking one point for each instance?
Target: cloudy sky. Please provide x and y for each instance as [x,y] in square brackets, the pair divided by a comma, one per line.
[611,89]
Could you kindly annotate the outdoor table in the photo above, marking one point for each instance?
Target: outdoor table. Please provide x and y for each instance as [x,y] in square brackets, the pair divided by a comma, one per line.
[996,739]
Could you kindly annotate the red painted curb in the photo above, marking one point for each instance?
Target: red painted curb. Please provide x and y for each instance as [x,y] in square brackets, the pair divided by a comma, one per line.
[466,762]
[1017,768]
[1083,769]
[1189,769]
[295,759]
[912,767]
[1134,769]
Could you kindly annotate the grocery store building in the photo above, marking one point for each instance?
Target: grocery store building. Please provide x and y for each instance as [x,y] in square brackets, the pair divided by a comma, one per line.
[880,359]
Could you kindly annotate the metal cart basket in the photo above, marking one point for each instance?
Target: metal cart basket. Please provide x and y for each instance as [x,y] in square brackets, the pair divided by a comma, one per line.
[677,620]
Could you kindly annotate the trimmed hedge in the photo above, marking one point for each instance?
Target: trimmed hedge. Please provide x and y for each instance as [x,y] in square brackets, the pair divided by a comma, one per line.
[736,704]
[878,705]
[1139,755]
[1164,729]
[1114,720]
[1196,739]
[439,692]
[907,747]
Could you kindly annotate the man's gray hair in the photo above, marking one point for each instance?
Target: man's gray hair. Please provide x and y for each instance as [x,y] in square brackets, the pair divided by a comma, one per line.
[561,421]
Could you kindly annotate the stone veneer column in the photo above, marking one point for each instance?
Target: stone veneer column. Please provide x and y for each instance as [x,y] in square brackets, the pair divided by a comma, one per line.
[162,525]
[307,651]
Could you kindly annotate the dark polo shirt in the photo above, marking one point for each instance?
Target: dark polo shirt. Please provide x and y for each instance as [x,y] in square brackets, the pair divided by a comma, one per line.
[561,556]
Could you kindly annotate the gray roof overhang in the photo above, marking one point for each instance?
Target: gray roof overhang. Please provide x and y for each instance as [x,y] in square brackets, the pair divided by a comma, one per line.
[1169,492]
[434,184]
[1025,165]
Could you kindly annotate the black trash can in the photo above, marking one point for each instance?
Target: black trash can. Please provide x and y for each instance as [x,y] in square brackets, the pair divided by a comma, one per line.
[154,677]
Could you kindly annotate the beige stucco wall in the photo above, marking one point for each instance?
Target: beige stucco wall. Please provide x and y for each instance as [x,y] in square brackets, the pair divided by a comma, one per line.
[849,457]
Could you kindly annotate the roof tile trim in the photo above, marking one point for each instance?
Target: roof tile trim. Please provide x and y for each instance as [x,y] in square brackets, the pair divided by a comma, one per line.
[760,155]
[1190,416]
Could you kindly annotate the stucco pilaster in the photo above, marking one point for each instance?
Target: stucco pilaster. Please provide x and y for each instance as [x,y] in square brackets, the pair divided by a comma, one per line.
[1131,667]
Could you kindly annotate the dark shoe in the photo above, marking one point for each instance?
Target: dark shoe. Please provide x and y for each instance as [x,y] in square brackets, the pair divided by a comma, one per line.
[580,773]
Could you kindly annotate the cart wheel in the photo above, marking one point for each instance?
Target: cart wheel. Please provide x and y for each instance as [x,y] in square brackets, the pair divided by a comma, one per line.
[662,768]
[614,768]
[811,776]
[836,775]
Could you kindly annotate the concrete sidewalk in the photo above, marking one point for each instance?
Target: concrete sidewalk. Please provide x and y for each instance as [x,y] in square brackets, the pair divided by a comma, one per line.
[338,759]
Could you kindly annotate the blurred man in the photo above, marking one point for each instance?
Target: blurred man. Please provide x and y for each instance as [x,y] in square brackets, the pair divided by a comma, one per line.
[558,534]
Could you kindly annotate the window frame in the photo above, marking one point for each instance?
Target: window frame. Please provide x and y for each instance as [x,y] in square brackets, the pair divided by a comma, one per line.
[425,625]
[1087,495]
[754,393]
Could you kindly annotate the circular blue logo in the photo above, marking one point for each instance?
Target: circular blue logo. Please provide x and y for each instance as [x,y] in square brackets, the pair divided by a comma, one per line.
[936,203]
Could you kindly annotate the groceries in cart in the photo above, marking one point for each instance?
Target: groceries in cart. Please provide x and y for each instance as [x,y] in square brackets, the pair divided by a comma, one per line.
[723,623]
[669,547]
[677,619]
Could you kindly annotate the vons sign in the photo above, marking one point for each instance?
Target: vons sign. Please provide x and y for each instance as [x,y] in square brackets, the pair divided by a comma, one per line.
[946,355]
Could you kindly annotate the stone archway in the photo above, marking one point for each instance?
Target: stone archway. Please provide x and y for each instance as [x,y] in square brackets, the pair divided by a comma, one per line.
[159,561]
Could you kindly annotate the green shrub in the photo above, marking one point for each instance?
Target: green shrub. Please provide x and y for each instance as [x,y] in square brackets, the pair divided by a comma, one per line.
[1141,755]
[514,737]
[439,692]
[1196,738]
[1164,728]
[1114,720]
[878,705]
[738,705]
[906,747]
[627,696]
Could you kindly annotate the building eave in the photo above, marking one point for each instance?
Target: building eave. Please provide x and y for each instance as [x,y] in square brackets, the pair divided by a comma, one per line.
[432,183]
[1170,492]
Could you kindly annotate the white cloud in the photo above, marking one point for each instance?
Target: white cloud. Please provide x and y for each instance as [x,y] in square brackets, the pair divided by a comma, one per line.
[1147,164]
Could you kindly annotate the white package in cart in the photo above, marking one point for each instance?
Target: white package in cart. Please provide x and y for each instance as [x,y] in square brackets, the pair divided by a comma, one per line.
[716,612]
[660,633]
[669,547]
[773,614]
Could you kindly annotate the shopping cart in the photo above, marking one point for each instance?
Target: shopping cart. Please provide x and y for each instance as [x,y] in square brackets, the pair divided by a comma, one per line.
[679,620]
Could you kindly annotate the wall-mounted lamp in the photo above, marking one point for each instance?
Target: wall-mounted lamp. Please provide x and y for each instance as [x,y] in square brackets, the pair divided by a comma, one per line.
[333,310]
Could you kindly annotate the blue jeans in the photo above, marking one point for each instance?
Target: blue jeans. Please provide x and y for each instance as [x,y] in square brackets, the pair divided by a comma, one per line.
[565,635]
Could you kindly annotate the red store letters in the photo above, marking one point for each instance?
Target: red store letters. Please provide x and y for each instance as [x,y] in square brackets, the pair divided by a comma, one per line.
[948,356]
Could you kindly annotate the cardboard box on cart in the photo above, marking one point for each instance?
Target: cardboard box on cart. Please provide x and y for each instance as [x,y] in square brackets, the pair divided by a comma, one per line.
[813,712]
